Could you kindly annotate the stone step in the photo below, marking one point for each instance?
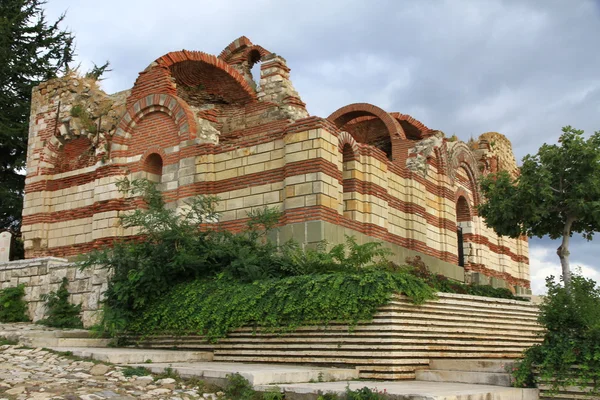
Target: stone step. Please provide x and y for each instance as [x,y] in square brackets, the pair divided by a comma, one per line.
[62,342]
[136,356]
[472,365]
[479,378]
[407,390]
[257,374]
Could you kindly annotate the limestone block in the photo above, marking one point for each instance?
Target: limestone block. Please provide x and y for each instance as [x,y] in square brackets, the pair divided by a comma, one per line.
[5,240]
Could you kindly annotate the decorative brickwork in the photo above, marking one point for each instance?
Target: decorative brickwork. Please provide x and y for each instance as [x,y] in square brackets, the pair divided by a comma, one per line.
[200,124]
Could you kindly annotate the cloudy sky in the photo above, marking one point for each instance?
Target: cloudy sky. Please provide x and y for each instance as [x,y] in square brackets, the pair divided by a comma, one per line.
[521,68]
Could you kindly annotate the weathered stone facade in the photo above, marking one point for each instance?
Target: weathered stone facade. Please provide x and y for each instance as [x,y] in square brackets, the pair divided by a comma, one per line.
[199,124]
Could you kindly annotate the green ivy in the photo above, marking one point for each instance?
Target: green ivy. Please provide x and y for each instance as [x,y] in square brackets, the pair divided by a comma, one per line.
[60,313]
[12,306]
[214,308]
[570,352]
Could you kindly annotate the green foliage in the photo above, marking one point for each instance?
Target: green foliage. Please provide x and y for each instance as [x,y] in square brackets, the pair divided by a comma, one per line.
[98,71]
[32,51]
[363,394]
[8,342]
[570,352]
[238,388]
[273,394]
[556,193]
[216,307]
[60,313]
[190,276]
[135,371]
[12,306]
[442,284]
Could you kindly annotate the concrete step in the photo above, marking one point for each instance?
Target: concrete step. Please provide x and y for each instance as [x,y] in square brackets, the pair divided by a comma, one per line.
[479,378]
[62,342]
[408,390]
[136,356]
[257,374]
[48,337]
[472,365]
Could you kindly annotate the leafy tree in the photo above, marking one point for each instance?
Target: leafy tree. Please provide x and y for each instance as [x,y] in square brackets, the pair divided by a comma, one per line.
[32,51]
[557,193]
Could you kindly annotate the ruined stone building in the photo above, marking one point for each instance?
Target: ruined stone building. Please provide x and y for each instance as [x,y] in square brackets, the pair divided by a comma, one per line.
[202,124]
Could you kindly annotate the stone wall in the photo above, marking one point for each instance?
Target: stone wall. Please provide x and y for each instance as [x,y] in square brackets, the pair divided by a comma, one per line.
[193,123]
[43,275]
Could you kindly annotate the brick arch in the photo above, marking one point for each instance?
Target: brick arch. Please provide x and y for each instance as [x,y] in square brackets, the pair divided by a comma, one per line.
[262,52]
[461,193]
[461,156]
[177,109]
[352,111]
[150,151]
[195,67]
[234,46]
[413,128]
[346,138]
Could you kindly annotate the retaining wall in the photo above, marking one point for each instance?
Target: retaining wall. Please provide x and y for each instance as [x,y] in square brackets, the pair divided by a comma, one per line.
[43,275]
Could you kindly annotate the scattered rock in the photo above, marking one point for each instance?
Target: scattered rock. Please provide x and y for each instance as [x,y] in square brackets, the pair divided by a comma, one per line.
[99,369]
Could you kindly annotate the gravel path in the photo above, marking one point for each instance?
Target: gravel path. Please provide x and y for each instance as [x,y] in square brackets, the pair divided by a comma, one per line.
[40,374]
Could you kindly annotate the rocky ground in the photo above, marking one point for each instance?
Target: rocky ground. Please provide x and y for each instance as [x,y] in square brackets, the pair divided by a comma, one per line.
[40,374]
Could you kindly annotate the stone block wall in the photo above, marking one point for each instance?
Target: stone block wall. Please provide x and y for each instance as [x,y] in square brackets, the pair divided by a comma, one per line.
[44,275]
[194,124]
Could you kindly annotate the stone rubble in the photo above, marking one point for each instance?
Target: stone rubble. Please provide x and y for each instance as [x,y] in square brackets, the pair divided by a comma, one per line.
[38,374]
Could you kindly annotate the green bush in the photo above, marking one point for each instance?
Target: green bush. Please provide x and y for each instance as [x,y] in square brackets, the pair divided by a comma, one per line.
[12,306]
[570,352]
[60,313]
[216,307]
[187,258]
[238,388]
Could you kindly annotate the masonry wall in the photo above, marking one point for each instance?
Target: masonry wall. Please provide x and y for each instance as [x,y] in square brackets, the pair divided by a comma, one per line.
[44,275]
[193,124]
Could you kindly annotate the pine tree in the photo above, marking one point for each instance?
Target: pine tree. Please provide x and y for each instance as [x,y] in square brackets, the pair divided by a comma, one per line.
[31,51]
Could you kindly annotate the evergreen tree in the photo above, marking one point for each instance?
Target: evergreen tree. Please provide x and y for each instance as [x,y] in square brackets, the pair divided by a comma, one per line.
[31,51]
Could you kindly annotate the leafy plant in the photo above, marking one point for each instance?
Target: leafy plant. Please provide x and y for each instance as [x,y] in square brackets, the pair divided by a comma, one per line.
[216,307]
[135,371]
[364,393]
[60,313]
[570,352]
[556,193]
[13,307]
[238,388]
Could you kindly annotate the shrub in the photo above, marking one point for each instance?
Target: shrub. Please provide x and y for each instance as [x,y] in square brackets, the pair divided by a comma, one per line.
[570,352]
[216,307]
[238,388]
[12,306]
[60,313]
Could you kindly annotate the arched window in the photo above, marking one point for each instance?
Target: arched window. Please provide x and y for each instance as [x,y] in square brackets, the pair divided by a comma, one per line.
[463,217]
[153,165]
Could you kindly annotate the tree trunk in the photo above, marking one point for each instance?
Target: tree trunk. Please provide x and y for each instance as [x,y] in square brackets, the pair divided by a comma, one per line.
[563,252]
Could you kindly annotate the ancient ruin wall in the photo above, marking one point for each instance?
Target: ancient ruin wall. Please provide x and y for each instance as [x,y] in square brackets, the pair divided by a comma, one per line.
[400,182]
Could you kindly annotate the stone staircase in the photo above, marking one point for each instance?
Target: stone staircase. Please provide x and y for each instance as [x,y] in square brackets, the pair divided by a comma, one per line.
[474,371]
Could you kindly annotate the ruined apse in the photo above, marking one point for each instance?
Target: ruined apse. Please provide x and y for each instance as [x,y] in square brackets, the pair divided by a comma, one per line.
[197,124]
